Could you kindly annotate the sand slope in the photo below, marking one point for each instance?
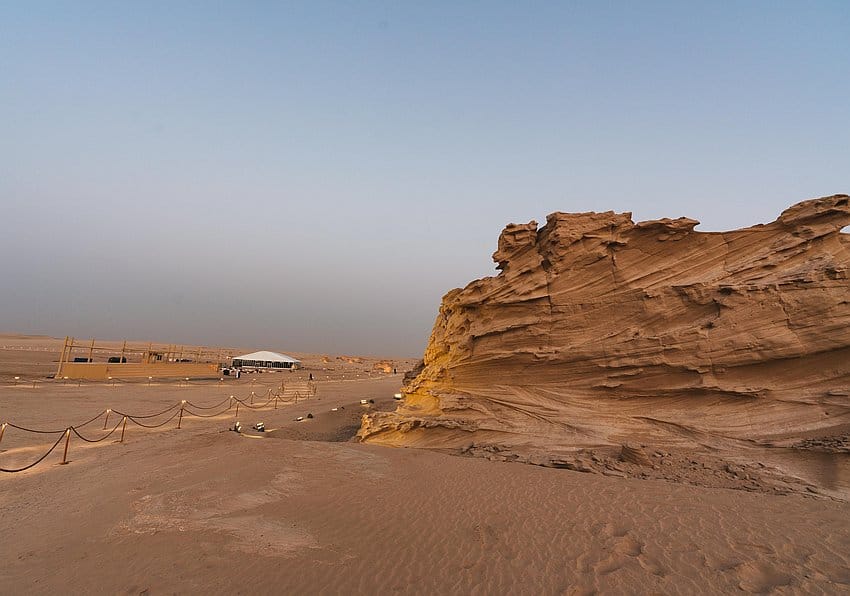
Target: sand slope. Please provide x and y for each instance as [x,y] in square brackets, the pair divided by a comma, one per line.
[203,510]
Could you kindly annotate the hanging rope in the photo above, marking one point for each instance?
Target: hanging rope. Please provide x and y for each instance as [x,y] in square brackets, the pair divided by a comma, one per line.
[87,422]
[177,405]
[53,432]
[103,438]
[191,413]
[218,405]
[134,421]
[38,461]
[33,430]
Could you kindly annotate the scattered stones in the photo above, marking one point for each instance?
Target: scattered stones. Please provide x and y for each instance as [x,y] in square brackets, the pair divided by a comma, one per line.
[833,444]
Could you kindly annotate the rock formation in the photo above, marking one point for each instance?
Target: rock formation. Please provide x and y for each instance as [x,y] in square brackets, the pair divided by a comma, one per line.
[384,366]
[351,359]
[600,332]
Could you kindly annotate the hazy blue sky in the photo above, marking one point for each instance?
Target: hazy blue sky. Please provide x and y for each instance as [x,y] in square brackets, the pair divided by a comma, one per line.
[315,176]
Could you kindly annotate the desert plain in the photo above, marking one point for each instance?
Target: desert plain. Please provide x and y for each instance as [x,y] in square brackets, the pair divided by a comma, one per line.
[303,509]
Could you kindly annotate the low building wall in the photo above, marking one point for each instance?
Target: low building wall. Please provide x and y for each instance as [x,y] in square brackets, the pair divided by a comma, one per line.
[101,371]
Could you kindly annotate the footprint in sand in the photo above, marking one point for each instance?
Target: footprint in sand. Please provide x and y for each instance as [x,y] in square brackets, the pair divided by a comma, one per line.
[614,530]
[628,545]
[624,549]
[490,538]
[760,578]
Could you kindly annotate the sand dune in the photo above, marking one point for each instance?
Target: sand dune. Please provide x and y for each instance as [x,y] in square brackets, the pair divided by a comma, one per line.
[204,510]
[301,510]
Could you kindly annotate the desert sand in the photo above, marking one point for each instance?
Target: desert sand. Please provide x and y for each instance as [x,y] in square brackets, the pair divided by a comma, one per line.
[302,510]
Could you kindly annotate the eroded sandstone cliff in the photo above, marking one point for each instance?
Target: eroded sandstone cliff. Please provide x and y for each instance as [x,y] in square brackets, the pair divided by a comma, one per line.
[599,331]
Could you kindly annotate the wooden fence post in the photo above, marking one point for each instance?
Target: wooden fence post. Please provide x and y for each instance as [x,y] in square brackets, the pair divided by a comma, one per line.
[67,440]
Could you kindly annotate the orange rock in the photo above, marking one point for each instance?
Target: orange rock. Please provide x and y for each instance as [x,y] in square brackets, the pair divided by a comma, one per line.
[351,359]
[385,366]
[599,331]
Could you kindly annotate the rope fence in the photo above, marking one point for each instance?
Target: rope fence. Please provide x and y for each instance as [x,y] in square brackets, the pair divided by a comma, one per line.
[38,461]
[180,409]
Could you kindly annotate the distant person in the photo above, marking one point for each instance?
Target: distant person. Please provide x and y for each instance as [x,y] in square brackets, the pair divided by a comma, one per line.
[311,376]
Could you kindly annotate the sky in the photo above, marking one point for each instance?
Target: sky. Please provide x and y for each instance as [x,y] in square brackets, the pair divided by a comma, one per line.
[315,176]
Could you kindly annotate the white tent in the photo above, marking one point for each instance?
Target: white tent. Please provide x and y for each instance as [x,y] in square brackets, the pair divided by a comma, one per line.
[265,359]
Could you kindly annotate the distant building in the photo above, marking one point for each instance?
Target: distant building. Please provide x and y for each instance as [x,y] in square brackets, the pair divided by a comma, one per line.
[270,360]
[110,360]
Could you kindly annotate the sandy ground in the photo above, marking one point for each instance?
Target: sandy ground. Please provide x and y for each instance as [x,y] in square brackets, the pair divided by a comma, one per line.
[300,509]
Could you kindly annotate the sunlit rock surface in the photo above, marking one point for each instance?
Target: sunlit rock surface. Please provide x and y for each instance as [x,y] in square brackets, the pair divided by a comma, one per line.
[599,331]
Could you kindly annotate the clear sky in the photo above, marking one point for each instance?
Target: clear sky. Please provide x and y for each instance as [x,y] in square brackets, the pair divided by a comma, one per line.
[315,176]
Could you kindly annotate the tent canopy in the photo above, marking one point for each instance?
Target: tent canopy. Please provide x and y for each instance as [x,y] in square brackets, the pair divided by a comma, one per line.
[265,356]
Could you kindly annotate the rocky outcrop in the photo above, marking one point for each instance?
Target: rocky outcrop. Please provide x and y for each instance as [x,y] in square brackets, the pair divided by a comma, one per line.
[599,331]
[351,359]
[384,366]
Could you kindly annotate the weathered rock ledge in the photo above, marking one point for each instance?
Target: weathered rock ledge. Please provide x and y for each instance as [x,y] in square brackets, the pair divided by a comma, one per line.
[599,331]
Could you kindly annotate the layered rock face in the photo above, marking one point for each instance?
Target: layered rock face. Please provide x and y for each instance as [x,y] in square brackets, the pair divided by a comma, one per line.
[599,331]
